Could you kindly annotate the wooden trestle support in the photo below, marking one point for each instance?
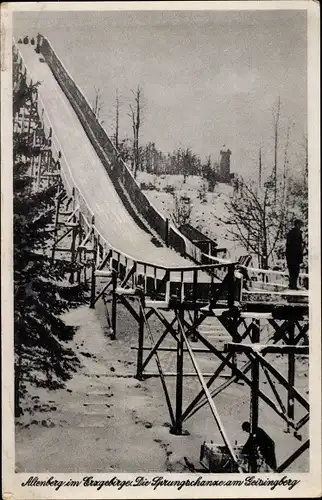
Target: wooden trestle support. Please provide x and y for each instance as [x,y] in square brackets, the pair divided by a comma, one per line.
[177,300]
[181,299]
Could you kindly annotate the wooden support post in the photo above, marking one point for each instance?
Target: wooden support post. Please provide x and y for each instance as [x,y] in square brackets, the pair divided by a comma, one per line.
[73,250]
[194,298]
[50,180]
[230,286]
[73,199]
[156,347]
[93,277]
[254,395]
[23,120]
[291,373]
[166,232]
[114,302]
[177,428]
[80,238]
[58,201]
[29,116]
[49,163]
[236,337]
[32,169]
[139,365]
[39,171]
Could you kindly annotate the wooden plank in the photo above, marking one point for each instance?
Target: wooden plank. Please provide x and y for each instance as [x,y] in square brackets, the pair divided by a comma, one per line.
[174,374]
[256,315]
[213,312]
[295,293]
[159,304]
[125,291]
[172,349]
[103,274]
[266,348]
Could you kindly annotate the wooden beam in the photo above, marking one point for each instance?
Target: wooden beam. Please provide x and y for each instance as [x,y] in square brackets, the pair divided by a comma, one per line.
[93,277]
[139,363]
[242,376]
[174,374]
[128,276]
[191,408]
[291,371]
[160,371]
[254,396]
[302,421]
[156,346]
[101,293]
[102,274]
[114,303]
[173,349]
[293,457]
[284,382]
[177,428]
[166,323]
[128,307]
[211,403]
[275,392]
[266,348]
[218,390]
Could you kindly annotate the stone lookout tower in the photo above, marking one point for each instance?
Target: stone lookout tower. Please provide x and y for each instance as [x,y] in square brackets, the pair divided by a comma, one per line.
[224,168]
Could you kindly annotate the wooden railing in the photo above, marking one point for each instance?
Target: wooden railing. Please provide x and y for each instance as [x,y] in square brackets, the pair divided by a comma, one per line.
[269,277]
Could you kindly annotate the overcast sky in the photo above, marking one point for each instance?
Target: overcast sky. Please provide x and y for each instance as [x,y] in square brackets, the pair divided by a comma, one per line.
[208,78]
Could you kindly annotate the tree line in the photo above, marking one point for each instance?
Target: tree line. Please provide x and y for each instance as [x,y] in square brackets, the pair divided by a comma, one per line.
[147,157]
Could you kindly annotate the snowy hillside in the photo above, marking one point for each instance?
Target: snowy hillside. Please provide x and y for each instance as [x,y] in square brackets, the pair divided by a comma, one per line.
[206,207]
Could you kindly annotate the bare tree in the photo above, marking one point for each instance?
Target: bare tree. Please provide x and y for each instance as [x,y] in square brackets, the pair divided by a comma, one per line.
[286,148]
[98,105]
[260,169]
[276,119]
[256,219]
[135,115]
[298,205]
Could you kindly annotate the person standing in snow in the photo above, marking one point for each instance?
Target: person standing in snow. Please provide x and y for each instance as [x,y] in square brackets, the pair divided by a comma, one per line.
[294,253]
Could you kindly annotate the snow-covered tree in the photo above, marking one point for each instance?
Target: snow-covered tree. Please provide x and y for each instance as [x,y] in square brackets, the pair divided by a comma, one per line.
[41,291]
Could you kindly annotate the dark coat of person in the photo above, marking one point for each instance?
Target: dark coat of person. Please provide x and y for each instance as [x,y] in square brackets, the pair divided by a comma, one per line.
[294,247]
[266,447]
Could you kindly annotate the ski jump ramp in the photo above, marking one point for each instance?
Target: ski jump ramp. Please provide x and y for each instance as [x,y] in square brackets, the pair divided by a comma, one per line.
[83,170]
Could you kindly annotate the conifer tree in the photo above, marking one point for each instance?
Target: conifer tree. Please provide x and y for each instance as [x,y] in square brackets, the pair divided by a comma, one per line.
[41,291]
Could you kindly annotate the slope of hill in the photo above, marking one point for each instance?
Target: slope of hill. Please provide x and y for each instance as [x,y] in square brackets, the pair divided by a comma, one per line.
[206,206]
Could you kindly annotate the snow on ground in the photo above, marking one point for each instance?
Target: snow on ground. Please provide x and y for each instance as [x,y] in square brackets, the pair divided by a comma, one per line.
[107,421]
[204,215]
